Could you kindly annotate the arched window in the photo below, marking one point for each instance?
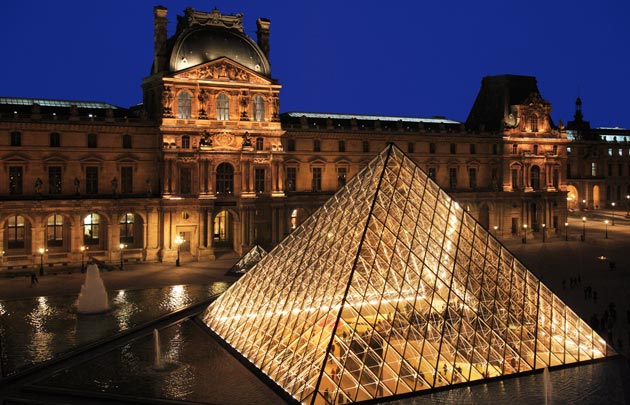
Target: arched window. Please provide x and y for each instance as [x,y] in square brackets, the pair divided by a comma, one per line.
[183,105]
[126,229]
[55,140]
[533,123]
[54,231]
[223,107]
[15,232]
[225,178]
[126,141]
[259,109]
[91,229]
[535,177]
[259,144]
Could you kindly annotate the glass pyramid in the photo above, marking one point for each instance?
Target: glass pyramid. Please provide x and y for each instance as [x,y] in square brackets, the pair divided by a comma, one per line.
[248,261]
[392,288]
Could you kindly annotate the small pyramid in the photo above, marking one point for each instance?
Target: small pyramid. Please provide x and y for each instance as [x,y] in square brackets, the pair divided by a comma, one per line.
[248,261]
[392,288]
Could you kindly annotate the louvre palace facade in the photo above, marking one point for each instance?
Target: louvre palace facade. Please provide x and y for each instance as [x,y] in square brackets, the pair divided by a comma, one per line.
[209,157]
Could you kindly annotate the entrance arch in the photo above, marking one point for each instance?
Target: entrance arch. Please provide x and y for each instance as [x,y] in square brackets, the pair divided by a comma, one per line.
[226,228]
[596,197]
[573,198]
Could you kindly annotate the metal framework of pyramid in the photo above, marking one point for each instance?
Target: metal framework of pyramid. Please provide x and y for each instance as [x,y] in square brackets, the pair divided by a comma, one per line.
[248,261]
[392,288]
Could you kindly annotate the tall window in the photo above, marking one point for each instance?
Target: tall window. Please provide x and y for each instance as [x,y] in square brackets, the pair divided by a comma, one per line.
[341,176]
[533,123]
[593,169]
[259,144]
[185,142]
[554,149]
[15,180]
[91,180]
[317,179]
[259,180]
[55,140]
[453,149]
[514,179]
[556,178]
[535,149]
[223,107]
[472,178]
[54,180]
[514,149]
[126,228]
[291,179]
[54,231]
[183,105]
[91,229]
[431,148]
[291,145]
[185,180]
[92,141]
[259,109]
[317,147]
[473,148]
[15,232]
[452,178]
[535,177]
[126,180]
[126,141]
[225,178]
[16,138]
[410,147]
[366,146]
[342,145]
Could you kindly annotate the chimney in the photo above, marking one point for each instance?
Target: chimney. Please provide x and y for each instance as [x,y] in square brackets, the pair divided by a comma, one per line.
[159,38]
[263,35]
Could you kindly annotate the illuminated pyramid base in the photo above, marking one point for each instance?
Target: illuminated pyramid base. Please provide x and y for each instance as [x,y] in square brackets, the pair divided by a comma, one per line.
[392,288]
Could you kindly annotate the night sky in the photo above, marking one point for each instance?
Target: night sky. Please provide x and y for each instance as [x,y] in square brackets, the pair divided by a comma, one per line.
[411,58]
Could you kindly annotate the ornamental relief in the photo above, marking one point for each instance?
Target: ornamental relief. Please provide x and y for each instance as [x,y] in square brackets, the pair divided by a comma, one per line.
[221,70]
[224,139]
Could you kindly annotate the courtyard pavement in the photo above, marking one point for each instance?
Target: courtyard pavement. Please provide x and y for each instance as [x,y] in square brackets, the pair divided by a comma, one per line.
[557,261]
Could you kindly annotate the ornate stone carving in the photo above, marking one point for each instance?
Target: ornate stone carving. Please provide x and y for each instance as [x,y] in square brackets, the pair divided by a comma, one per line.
[223,139]
[167,100]
[202,97]
[215,18]
[247,143]
[244,104]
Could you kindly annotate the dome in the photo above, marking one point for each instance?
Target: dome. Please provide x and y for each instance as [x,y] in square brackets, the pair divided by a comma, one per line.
[204,44]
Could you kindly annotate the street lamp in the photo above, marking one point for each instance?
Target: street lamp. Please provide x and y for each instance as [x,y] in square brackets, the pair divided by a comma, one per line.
[544,226]
[41,261]
[178,241]
[566,231]
[495,231]
[606,222]
[628,206]
[83,249]
[525,233]
[584,203]
[583,229]
[613,214]
[122,249]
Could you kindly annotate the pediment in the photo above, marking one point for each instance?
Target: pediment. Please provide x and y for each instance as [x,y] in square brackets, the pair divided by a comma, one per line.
[223,69]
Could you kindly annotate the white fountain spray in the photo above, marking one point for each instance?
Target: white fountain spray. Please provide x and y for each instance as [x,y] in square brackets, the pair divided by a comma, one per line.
[93,297]
[547,385]
[157,352]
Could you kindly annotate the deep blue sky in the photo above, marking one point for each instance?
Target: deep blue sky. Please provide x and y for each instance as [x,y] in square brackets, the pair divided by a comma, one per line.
[413,58]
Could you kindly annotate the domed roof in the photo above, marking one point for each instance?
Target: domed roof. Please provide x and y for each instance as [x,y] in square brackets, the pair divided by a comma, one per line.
[203,44]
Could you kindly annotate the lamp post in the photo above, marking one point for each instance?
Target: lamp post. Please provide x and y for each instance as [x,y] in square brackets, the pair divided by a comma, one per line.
[613,214]
[41,261]
[524,233]
[178,241]
[583,229]
[544,226]
[606,222]
[566,231]
[83,249]
[495,231]
[122,249]
[628,206]
[584,204]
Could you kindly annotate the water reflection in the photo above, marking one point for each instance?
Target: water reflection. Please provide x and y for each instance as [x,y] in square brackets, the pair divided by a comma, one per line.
[176,298]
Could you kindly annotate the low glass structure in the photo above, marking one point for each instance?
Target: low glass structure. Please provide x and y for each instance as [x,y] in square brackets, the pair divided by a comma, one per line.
[392,288]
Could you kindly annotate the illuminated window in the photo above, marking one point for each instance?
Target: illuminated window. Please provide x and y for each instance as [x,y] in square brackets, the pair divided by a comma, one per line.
[15,180]
[92,141]
[317,147]
[126,228]
[294,215]
[15,232]
[568,149]
[533,123]
[225,178]
[259,144]
[16,138]
[126,141]
[291,179]
[185,142]
[593,169]
[259,180]
[610,152]
[341,177]
[223,107]
[620,152]
[54,231]
[91,229]
[259,109]
[126,180]
[183,105]
[91,180]
[317,179]
[55,140]
[54,179]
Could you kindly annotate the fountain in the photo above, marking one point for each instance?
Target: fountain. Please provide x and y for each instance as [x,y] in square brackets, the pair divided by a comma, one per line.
[547,386]
[93,297]
[157,352]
